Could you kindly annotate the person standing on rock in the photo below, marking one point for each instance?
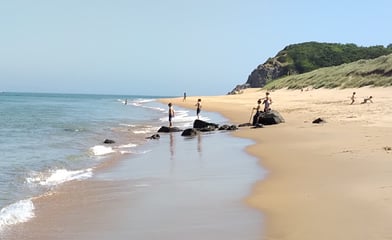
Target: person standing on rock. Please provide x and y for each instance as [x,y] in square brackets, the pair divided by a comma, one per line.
[171,114]
[267,102]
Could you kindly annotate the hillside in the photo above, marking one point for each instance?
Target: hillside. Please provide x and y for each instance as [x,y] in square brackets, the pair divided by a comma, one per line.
[305,57]
[372,72]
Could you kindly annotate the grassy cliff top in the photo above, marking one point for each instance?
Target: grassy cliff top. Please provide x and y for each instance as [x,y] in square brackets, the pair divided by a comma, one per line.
[373,72]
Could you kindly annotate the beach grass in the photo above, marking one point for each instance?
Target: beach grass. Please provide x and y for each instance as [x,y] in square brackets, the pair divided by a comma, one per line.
[375,72]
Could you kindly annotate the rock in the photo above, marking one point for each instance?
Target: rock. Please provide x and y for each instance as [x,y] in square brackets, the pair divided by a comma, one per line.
[239,89]
[190,132]
[169,129]
[272,69]
[198,124]
[266,72]
[223,127]
[154,136]
[208,128]
[318,120]
[268,118]
[228,127]
[109,141]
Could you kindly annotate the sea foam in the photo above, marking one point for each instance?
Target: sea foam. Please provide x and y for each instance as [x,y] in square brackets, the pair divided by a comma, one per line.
[129,145]
[56,177]
[18,212]
[62,175]
[183,119]
[100,150]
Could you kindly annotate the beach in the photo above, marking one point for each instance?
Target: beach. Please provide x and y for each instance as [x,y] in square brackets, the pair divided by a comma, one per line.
[324,181]
[173,187]
[294,180]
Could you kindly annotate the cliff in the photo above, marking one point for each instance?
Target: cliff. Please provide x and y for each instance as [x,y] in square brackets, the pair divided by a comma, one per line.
[305,57]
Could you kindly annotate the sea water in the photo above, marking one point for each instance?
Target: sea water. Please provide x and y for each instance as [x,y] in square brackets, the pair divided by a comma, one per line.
[49,139]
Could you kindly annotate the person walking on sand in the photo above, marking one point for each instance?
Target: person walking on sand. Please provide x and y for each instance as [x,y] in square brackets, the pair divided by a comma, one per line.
[171,114]
[184,99]
[267,102]
[198,107]
[352,98]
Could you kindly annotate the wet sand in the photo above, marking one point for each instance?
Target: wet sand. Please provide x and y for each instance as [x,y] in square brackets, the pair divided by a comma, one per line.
[180,188]
[325,181]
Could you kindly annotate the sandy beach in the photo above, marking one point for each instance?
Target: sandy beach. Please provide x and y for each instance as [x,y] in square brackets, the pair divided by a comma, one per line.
[324,181]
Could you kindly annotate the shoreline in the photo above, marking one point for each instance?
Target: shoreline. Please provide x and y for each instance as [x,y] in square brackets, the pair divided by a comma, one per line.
[324,181]
[195,193]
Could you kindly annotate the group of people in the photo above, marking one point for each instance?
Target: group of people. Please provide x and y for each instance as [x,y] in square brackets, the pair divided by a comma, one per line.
[171,110]
[266,101]
[365,100]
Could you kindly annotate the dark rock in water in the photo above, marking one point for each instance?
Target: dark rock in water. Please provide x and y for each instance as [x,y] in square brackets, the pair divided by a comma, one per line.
[198,124]
[224,127]
[245,125]
[318,120]
[268,118]
[208,128]
[233,127]
[108,141]
[154,136]
[169,129]
[228,127]
[190,132]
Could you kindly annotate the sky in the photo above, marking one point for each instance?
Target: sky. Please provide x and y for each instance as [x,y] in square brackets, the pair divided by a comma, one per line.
[167,47]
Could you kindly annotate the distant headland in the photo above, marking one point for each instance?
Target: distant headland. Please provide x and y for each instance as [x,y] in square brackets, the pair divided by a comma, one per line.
[337,65]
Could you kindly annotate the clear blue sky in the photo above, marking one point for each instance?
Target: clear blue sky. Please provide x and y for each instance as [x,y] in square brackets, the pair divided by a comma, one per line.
[166,47]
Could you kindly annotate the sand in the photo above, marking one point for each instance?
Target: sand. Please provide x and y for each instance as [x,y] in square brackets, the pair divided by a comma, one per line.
[324,181]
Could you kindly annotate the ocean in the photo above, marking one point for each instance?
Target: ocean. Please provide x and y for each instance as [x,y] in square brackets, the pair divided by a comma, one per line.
[47,140]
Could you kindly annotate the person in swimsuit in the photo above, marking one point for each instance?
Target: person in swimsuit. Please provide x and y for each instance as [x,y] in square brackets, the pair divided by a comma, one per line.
[369,99]
[198,107]
[352,98]
[171,114]
[267,102]
[257,114]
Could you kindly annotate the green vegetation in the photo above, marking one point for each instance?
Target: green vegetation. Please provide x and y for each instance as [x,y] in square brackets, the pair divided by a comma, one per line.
[306,57]
[373,72]
[328,65]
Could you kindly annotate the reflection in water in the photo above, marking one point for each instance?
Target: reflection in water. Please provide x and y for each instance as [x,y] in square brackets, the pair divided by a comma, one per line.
[199,150]
[199,144]
[171,145]
[172,154]
[172,148]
